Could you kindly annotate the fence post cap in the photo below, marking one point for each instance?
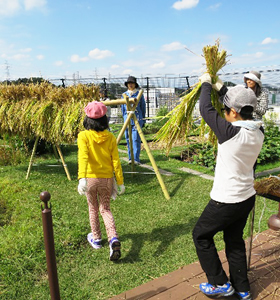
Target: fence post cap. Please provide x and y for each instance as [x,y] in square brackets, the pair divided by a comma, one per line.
[45,197]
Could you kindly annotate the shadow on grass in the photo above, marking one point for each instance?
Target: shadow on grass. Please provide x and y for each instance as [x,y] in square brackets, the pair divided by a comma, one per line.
[165,236]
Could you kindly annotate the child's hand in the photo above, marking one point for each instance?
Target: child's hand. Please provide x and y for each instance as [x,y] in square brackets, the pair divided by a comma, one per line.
[121,189]
[82,187]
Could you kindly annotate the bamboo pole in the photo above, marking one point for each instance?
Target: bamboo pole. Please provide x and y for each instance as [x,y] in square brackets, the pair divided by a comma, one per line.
[146,146]
[63,162]
[55,152]
[123,128]
[32,157]
[129,115]
[119,101]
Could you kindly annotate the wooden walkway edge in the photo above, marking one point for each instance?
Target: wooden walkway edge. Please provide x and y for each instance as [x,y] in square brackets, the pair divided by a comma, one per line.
[264,276]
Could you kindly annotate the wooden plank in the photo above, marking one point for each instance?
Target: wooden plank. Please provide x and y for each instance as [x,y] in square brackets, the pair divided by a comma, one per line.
[184,283]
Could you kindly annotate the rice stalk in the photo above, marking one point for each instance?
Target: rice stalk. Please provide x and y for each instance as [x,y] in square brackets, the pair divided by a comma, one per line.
[180,119]
[44,110]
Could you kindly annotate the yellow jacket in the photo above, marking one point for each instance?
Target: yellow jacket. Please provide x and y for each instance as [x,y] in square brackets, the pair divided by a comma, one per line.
[98,155]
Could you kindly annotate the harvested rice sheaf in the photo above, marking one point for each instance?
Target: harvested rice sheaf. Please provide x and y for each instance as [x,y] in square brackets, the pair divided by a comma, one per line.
[44,110]
[267,185]
[180,119]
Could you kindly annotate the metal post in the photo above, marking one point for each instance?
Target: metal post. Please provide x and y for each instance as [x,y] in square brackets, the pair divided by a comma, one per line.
[49,246]
[148,98]
[250,239]
[105,88]
[187,78]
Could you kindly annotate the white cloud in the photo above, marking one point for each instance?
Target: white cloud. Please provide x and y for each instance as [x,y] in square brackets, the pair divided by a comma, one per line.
[11,7]
[253,55]
[172,46]
[76,58]
[20,56]
[58,63]
[31,4]
[185,4]
[100,54]
[259,54]
[158,65]
[269,40]
[115,66]
[135,48]
[93,54]
[40,57]
[215,6]
[26,50]
[127,71]
[132,49]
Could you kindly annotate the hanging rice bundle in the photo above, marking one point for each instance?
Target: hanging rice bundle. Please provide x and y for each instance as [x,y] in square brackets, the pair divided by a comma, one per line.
[44,110]
[180,119]
[267,185]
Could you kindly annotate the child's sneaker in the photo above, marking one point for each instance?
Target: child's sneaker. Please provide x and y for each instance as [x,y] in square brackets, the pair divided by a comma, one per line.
[115,249]
[96,244]
[216,290]
[244,295]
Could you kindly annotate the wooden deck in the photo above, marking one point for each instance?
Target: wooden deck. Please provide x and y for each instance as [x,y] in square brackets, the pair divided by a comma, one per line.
[184,283]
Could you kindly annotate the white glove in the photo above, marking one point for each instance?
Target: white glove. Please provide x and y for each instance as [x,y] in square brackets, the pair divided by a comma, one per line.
[218,85]
[205,78]
[114,190]
[82,187]
[121,189]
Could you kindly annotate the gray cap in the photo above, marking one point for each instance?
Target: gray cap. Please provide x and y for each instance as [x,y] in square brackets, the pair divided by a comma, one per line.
[255,76]
[238,97]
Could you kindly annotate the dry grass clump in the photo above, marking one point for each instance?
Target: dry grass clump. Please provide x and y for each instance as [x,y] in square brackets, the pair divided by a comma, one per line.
[267,185]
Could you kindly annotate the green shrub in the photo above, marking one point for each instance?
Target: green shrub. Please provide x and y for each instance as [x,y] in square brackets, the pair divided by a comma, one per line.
[159,121]
[13,150]
[205,155]
[202,154]
[271,146]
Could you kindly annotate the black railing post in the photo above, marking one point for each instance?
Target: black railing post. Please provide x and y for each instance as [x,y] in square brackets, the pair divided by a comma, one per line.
[49,246]
[148,98]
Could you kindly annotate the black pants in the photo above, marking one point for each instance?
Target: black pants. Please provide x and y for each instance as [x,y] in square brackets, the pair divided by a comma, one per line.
[231,219]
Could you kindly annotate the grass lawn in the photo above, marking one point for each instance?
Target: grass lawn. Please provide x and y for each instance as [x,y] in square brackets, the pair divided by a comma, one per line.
[155,232]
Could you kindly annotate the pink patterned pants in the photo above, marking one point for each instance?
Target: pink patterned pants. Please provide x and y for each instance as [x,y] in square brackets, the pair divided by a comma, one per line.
[98,197]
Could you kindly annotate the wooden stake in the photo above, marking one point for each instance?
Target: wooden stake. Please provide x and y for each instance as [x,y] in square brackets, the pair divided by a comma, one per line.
[32,157]
[63,162]
[146,146]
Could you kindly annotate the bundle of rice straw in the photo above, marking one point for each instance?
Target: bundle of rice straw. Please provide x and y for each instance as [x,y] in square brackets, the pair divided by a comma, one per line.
[267,185]
[43,110]
[180,119]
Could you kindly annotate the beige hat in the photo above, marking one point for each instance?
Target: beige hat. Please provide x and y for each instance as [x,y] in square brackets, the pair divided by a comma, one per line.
[255,76]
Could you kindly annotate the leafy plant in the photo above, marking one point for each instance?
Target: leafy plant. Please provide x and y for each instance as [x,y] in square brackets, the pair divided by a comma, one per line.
[203,154]
[271,147]
[155,126]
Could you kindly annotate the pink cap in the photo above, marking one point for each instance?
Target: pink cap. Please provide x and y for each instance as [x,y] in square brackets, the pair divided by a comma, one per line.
[95,110]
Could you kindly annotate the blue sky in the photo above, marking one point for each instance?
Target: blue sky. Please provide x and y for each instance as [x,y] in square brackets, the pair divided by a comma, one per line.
[56,39]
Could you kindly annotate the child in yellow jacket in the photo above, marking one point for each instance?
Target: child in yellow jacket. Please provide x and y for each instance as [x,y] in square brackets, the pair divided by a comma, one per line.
[98,160]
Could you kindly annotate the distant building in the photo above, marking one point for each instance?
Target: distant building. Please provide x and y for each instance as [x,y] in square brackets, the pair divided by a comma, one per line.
[158,97]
